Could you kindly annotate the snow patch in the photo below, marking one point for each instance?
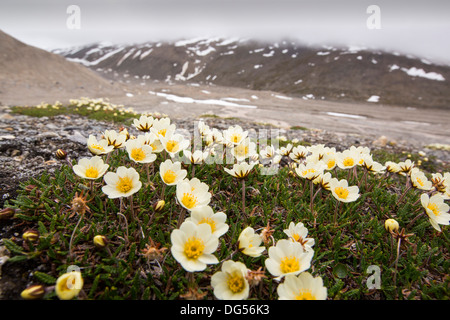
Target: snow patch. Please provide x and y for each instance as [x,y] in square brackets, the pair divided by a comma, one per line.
[373,99]
[345,115]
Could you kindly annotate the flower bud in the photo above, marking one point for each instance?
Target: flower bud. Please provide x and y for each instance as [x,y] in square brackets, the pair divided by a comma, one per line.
[7,213]
[61,154]
[33,292]
[391,225]
[31,235]
[158,206]
[100,241]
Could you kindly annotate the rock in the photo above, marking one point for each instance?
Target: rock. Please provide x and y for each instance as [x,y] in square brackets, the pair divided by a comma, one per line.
[380,142]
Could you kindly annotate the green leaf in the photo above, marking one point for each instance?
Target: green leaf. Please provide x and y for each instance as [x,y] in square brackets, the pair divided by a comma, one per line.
[13,247]
[43,277]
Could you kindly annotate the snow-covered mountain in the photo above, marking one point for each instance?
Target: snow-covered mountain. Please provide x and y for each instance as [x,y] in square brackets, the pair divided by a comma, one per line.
[326,72]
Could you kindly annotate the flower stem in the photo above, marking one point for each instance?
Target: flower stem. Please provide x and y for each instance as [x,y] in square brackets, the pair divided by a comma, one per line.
[73,234]
[399,241]
[338,205]
[181,217]
[126,223]
[243,196]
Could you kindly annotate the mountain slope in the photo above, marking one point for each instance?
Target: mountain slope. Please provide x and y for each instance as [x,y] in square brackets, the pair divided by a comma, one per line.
[27,72]
[337,74]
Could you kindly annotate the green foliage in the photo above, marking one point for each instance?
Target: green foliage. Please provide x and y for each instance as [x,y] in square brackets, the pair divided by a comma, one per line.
[343,251]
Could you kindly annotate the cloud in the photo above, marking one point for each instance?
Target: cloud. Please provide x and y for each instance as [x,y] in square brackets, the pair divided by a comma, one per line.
[406,26]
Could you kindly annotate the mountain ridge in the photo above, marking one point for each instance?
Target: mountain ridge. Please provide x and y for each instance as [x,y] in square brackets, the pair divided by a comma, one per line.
[311,72]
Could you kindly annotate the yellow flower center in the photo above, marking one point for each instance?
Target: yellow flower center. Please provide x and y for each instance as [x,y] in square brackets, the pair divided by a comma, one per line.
[433,207]
[189,200]
[209,221]
[138,154]
[162,132]
[341,192]
[308,171]
[241,150]
[97,147]
[420,182]
[348,162]
[305,294]
[172,146]
[331,163]
[91,172]
[236,283]
[236,138]
[169,177]
[125,184]
[193,248]
[289,264]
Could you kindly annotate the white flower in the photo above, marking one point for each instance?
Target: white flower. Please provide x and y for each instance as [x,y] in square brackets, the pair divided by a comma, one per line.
[436,209]
[405,167]
[115,139]
[288,257]
[98,147]
[330,160]
[370,165]
[203,129]
[234,135]
[302,287]
[193,194]
[196,157]
[342,192]
[174,143]
[144,123]
[324,180]
[285,151]
[244,150]
[152,140]
[163,128]
[392,167]
[171,172]
[138,151]
[299,153]
[311,170]
[347,159]
[231,283]
[91,169]
[317,150]
[215,220]
[193,246]
[267,153]
[240,170]
[298,232]
[419,180]
[249,243]
[214,137]
[122,183]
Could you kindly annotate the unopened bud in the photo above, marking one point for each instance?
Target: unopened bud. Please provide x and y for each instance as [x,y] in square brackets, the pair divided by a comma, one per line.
[100,241]
[33,292]
[158,206]
[61,154]
[7,213]
[31,235]
[391,225]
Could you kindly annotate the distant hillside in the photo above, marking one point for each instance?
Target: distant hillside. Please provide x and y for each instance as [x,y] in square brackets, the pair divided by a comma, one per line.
[27,72]
[337,74]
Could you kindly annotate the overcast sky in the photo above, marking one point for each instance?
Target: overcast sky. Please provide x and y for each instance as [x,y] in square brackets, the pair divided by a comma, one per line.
[416,27]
